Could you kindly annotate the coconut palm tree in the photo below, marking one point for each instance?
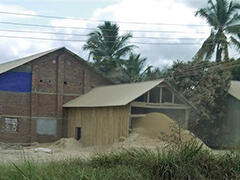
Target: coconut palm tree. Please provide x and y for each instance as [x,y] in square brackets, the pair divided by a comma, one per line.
[223,17]
[134,68]
[107,47]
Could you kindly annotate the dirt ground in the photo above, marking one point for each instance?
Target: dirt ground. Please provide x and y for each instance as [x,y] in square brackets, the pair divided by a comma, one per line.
[155,131]
[70,148]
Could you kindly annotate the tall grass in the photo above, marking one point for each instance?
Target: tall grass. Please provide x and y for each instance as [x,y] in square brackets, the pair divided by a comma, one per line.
[188,161]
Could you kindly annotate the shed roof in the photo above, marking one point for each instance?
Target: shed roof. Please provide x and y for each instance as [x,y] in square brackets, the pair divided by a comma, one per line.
[113,95]
[117,95]
[13,64]
[234,89]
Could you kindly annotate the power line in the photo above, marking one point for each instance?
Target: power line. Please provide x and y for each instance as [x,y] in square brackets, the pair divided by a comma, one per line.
[209,67]
[76,34]
[80,40]
[98,21]
[92,29]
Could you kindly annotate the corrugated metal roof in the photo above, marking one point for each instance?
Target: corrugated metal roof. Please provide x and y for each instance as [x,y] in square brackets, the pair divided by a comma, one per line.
[13,64]
[234,89]
[113,95]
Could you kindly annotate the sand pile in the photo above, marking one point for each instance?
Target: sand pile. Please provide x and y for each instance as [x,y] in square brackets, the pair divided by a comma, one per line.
[160,126]
[66,144]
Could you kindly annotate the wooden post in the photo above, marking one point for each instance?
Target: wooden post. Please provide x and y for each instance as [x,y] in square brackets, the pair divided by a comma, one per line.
[148,96]
[160,98]
[186,118]
[173,97]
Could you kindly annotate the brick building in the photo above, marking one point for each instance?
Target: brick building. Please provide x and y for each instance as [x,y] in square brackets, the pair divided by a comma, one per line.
[33,90]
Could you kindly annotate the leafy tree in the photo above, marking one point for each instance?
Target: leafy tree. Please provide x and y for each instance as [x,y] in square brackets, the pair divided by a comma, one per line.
[206,85]
[107,47]
[134,68]
[156,73]
[224,19]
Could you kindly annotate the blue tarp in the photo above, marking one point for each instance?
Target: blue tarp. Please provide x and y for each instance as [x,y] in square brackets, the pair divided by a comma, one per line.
[16,81]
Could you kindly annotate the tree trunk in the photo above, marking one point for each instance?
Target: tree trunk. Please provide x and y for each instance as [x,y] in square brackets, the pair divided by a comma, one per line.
[225,51]
[219,53]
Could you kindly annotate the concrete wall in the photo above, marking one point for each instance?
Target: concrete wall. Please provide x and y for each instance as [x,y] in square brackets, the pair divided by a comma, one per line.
[56,79]
[99,126]
[233,118]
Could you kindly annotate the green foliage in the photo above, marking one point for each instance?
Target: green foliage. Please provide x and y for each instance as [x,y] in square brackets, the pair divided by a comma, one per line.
[156,73]
[107,47]
[236,41]
[223,17]
[188,161]
[134,68]
[206,85]
[112,55]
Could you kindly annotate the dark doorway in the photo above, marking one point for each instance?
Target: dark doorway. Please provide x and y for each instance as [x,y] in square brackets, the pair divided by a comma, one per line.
[77,133]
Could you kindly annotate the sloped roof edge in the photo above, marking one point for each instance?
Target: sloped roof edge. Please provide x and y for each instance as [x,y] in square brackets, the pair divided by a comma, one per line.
[118,95]
[4,67]
[113,95]
[18,62]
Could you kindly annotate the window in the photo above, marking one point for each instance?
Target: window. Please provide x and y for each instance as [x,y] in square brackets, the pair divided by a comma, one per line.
[155,95]
[166,95]
[10,124]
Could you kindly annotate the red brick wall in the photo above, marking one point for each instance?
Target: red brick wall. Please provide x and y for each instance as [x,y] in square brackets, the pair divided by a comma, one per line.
[56,79]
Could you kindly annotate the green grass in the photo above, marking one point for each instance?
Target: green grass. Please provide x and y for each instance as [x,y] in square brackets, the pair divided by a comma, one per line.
[188,161]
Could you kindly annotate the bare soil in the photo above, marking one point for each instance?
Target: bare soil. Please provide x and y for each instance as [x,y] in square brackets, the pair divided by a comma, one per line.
[154,131]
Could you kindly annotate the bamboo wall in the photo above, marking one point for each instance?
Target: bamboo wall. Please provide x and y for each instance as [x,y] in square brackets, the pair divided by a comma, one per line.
[99,126]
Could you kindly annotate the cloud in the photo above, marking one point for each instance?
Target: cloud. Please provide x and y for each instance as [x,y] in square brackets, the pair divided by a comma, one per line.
[12,48]
[13,8]
[194,3]
[165,12]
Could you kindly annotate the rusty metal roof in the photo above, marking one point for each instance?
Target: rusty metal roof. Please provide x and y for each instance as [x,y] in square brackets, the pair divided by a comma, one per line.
[234,89]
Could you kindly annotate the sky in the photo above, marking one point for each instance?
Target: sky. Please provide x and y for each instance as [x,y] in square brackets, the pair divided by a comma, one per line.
[156,14]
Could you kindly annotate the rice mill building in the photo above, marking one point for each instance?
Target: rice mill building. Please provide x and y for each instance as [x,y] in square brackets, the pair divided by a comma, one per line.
[33,90]
[57,94]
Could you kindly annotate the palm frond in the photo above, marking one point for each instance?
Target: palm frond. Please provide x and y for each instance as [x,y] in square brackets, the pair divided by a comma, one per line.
[235,42]
[209,16]
[207,49]
[234,29]
[234,20]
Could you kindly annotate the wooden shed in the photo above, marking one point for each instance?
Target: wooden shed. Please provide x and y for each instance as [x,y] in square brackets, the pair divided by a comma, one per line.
[105,114]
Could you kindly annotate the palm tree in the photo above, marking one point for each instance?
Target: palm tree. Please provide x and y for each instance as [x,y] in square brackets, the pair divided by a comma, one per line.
[134,68]
[106,46]
[224,19]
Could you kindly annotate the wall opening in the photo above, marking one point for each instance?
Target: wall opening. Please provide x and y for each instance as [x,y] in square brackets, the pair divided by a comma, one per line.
[155,95]
[10,124]
[46,126]
[78,133]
